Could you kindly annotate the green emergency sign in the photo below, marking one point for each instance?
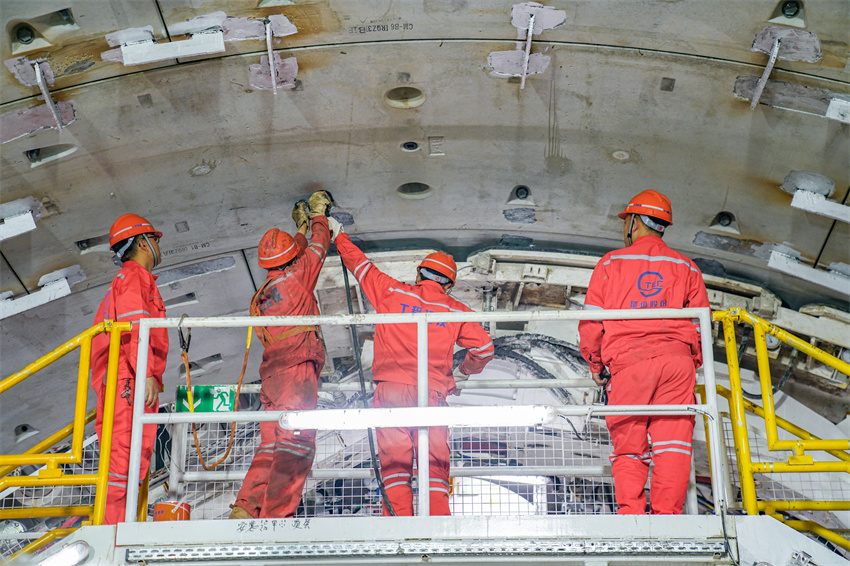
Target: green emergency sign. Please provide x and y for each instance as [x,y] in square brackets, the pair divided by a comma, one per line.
[207,398]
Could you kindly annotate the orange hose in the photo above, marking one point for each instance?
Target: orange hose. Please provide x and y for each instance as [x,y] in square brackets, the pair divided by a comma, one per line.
[185,356]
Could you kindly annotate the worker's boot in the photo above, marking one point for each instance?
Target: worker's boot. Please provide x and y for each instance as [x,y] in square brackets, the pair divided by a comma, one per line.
[237,512]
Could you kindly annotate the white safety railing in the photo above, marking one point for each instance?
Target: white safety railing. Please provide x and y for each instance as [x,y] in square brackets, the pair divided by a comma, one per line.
[424,416]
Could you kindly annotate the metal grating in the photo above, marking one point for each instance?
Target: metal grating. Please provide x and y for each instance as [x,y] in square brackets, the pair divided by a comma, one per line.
[653,548]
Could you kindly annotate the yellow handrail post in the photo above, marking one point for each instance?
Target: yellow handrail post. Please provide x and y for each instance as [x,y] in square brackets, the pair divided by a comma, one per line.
[739,418]
[109,391]
[82,398]
[766,384]
[142,507]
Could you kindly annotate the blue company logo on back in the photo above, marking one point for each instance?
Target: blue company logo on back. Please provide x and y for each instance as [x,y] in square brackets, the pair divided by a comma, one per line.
[650,283]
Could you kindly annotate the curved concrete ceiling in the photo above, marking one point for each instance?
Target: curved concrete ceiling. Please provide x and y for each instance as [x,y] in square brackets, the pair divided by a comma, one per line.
[635,95]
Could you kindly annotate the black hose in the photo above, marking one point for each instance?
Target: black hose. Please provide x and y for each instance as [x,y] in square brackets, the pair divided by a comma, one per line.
[356,344]
[504,350]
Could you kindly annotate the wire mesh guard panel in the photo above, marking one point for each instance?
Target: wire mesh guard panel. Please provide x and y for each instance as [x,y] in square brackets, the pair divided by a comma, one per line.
[579,443]
[809,486]
[48,496]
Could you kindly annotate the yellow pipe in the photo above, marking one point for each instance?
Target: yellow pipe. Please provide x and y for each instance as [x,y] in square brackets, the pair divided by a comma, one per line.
[142,507]
[45,512]
[766,386]
[44,361]
[35,481]
[772,506]
[815,528]
[35,545]
[49,442]
[792,340]
[783,467]
[109,393]
[761,326]
[38,459]
[739,422]
[785,425]
[82,397]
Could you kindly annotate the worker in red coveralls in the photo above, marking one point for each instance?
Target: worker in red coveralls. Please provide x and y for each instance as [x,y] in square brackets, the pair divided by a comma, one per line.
[395,365]
[292,360]
[651,362]
[132,295]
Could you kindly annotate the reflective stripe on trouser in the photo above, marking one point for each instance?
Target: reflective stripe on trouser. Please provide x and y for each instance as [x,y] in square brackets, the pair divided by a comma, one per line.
[665,380]
[397,449]
[119,458]
[275,480]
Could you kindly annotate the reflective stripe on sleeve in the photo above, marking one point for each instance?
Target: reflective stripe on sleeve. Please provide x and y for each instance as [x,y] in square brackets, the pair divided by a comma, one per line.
[122,315]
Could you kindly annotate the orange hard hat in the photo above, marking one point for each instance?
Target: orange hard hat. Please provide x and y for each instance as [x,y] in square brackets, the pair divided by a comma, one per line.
[442,263]
[129,225]
[651,203]
[276,248]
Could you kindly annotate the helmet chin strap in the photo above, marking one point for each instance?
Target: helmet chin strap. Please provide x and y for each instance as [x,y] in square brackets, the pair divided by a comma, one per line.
[631,226]
[157,259]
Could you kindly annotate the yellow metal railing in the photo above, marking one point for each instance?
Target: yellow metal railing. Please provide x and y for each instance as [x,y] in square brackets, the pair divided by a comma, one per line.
[47,538]
[799,461]
[52,473]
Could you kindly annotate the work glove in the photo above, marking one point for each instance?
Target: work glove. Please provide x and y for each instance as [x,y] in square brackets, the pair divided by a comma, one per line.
[301,213]
[320,204]
[335,226]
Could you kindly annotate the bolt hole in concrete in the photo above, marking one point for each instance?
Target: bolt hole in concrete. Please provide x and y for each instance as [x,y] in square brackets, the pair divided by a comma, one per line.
[24,431]
[404,97]
[522,192]
[414,190]
[25,34]
[790,8]
[409,146]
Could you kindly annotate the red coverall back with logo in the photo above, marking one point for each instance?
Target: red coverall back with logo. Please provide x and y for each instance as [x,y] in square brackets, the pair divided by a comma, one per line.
[652,362]
[289,374]
[132,295]
[395,372]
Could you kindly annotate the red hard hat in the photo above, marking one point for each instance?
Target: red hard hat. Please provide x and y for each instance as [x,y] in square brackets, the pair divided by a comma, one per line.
[442,263]
[652,203]
[129,225]
[276,248]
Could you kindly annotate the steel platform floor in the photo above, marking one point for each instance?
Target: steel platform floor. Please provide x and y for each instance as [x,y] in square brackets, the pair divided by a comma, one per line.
[563,540]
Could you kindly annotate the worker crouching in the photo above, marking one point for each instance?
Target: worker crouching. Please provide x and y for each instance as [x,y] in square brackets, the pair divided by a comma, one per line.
[292,360]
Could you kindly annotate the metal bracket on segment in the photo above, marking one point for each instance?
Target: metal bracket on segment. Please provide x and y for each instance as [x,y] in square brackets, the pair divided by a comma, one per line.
[271,56]
[832,279]
[18,217]
[529,18]
[817,203]
[53,286]
[145,52]
[796,46]
[529,32]
[39,77]
[767,69]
